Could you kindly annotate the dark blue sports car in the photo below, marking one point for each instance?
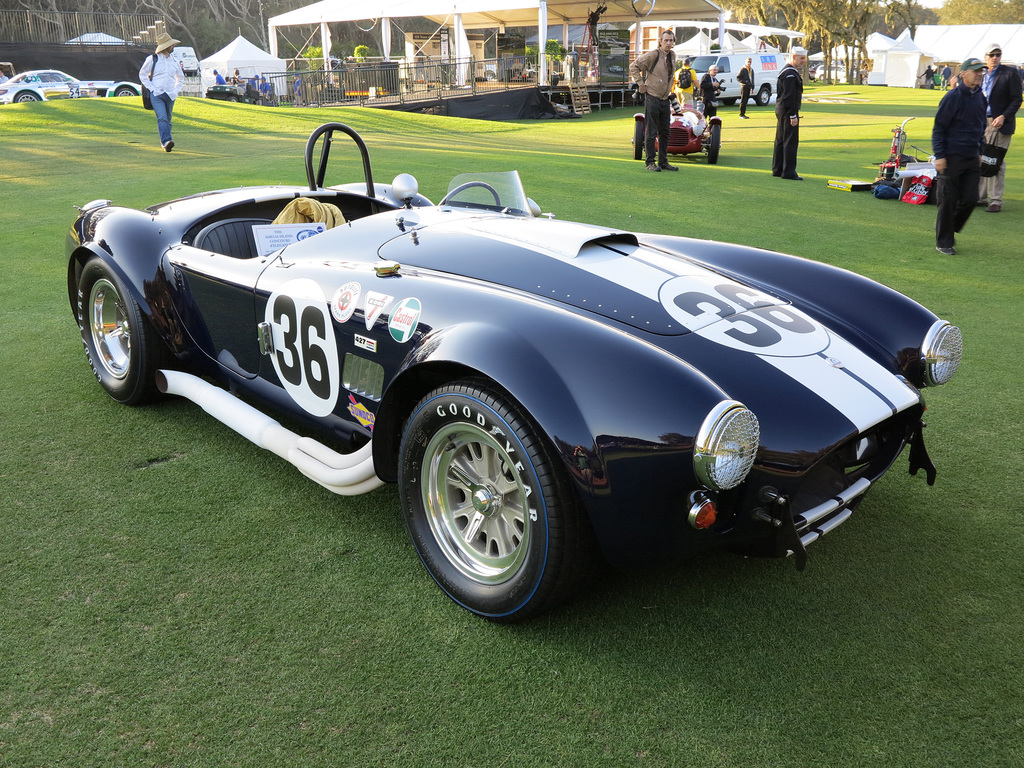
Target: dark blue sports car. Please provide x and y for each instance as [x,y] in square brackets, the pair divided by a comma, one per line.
[546,394]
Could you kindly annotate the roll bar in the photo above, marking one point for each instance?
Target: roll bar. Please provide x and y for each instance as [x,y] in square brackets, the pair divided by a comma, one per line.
[316,181]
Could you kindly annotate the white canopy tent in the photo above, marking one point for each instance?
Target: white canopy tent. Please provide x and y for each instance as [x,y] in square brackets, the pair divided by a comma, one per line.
[901,64]
[95,38]
[482,14]
[724,31]
[696,45]
[242,55]
[955,43]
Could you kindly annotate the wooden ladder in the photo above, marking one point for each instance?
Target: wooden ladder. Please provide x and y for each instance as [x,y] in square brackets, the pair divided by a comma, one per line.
[580,99]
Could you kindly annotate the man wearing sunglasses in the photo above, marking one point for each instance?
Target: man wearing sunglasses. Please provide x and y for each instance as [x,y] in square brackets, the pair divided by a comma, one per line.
[1002,87]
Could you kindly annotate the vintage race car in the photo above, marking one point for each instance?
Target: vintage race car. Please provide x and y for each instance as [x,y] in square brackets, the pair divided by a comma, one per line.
[47,84]
[689,132]
[544,393]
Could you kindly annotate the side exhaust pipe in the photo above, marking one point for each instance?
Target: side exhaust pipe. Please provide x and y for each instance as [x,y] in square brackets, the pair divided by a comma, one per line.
[348,474]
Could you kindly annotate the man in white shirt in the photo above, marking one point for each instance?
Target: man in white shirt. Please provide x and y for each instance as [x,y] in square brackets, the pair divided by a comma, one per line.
[161,74]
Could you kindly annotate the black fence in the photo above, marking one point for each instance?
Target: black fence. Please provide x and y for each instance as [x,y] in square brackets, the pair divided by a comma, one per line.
[397,82]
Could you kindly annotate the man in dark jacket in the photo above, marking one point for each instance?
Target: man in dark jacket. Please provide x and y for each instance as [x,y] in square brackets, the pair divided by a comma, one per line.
[710,88]
[745,77]
[787,113]
[956,142]
[654,73]
[1002,89]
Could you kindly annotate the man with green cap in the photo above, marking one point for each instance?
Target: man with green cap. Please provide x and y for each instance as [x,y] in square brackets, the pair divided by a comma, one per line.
[956,141]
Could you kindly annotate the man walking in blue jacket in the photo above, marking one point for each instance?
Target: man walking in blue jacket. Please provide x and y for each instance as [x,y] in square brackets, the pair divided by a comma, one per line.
[956,142]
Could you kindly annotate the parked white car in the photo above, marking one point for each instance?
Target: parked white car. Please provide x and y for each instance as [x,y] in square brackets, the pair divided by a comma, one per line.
[817,73]
[47,84]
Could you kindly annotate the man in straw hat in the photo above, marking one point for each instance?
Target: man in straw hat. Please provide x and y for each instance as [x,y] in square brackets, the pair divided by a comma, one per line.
[790,89]
[1002,88]
[161,74]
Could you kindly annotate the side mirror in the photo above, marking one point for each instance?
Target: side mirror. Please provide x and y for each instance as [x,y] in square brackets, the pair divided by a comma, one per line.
[405,188]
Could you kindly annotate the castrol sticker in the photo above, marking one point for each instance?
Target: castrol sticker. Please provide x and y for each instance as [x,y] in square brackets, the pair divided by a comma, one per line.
[404,320]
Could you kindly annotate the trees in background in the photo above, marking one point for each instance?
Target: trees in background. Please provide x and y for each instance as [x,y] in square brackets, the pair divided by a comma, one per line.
[832,23]
[982,12]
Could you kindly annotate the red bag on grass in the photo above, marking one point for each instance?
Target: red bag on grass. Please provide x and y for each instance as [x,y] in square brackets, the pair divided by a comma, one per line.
[917,193]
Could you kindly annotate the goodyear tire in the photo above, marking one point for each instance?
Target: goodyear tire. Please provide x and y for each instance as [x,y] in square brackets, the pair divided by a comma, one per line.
[122,348]
[638,139]
[488,505]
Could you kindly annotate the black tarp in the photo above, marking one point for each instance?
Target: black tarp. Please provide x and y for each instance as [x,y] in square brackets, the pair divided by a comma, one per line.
[86,62]
[514,104]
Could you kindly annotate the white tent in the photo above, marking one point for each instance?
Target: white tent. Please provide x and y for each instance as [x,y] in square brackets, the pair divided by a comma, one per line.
[485,14]
[242,55]
[95,38]
[953,44]
[902,63]
[724,31]
[695,46]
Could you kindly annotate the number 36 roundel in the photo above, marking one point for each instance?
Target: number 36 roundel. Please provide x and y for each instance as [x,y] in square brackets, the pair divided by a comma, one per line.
[305,354]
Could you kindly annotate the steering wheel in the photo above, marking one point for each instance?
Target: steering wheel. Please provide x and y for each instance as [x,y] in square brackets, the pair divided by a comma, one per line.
[470,185]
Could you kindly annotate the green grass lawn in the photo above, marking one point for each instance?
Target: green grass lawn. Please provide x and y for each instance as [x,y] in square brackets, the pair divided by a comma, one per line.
[171,595]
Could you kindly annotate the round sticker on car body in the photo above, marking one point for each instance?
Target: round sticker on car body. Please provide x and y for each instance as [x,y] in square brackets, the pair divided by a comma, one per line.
[305,354]
[741,317]
[345,301]
[404,320]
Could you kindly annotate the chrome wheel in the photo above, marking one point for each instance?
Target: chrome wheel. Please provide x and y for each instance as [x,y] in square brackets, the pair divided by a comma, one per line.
[122,348]
[110,329]
[476,503]
[488,505]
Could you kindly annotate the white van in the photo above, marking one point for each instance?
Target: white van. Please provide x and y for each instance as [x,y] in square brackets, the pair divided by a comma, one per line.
[766,68]
[187,58]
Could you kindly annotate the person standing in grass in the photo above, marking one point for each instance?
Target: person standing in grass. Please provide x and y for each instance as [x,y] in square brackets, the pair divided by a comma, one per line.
[956,141]
[653,72]
[745,77]
[790,89]
[161,74]
[686,82]
[710,89]
[1002,88]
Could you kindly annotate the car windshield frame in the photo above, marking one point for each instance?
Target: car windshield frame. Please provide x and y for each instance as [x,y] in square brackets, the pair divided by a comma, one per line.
[473,190]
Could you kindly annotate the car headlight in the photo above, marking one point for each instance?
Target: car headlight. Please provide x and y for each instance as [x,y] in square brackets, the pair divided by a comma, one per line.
[726,443]
[941,352]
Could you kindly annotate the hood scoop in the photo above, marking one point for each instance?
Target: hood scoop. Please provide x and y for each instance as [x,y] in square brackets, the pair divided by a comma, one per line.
[564,240]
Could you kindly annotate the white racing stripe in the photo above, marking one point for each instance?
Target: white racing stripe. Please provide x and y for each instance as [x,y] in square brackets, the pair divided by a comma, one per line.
[862,390]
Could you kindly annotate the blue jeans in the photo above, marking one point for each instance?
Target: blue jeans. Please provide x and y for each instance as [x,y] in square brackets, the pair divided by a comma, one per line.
[163,105]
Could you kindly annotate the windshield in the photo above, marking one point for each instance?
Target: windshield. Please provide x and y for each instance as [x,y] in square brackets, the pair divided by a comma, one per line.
[703,63]
[494,191]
